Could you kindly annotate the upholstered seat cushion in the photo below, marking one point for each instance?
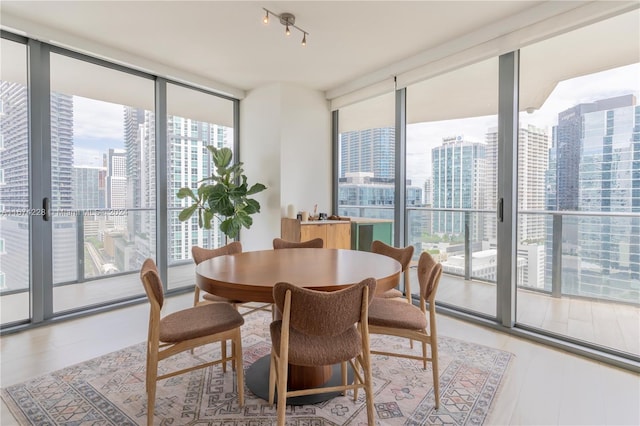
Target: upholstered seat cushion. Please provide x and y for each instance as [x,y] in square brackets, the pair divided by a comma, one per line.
[213,298]
[390,294]
[307,350]
[395,313]
[199,321]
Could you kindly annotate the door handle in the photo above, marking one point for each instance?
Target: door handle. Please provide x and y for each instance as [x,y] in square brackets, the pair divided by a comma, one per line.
[45,207]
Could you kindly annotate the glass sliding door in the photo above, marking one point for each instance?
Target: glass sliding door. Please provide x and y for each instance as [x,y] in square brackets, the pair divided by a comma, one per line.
[15,213]
[579,185]
[103,182]
[452,165]
[195,120]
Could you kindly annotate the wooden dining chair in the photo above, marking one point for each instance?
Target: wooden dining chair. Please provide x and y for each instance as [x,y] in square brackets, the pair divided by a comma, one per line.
[279,243]
[199,255]
[321,328]
[394,318]
[185,330]
[403,256]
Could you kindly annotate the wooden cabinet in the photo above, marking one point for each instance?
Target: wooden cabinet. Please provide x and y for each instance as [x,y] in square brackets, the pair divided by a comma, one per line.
[334,233]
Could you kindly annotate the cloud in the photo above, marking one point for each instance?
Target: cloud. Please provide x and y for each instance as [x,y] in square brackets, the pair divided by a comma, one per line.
[94,119]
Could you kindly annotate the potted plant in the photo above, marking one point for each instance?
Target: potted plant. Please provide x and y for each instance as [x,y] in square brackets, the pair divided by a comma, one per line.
[223,195]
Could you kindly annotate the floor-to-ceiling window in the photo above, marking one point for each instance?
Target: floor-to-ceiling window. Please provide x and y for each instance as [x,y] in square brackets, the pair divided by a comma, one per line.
[366,167]
[579,185]
[79,167]
[195,120]
[573,159]
[452,162]
[102,181]
[14,184]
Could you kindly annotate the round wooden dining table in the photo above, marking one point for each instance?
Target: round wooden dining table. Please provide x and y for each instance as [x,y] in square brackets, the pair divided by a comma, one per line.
[250,277]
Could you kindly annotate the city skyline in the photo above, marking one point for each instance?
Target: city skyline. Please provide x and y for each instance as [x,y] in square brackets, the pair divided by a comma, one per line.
[421,137]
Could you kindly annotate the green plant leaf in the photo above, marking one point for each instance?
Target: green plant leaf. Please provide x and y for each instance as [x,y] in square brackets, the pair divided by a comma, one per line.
[186,192]
[187,213]
[230,228]
[243,219]
[252,206]
[207,217]
[219,201]
[223,195]
[222,156]
[258,187]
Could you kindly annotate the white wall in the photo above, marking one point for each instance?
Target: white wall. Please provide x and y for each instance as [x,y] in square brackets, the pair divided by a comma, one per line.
[285,143]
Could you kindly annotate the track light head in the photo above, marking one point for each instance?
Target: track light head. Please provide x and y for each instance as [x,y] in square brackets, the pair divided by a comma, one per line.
[288,20]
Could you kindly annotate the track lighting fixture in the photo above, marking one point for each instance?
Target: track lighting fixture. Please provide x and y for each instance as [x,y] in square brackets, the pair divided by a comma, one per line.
[288,20]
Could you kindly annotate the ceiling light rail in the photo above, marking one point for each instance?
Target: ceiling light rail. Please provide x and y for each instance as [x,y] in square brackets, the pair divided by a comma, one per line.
[288,20]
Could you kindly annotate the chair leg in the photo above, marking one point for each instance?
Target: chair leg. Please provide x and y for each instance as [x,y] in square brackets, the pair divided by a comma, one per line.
[236,347]
[368,388]
[234,362]
[223,351]
[434,367]
[343,372]
[424,355]
[272,377]
[282,391]
[196,296]
[152,374]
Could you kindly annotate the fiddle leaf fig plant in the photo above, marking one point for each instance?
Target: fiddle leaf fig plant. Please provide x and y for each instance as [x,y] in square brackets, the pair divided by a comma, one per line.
[223,195]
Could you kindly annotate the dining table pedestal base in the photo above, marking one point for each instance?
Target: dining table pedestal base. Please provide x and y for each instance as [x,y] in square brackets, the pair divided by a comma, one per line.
[257,380]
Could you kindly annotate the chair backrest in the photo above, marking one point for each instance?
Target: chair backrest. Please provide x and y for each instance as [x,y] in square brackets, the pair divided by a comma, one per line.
[429,272]
[200,254]
[402,255]
[279,243]
[152,282]
[324,313]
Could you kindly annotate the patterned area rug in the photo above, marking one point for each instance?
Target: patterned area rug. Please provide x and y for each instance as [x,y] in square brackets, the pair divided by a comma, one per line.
[110,390]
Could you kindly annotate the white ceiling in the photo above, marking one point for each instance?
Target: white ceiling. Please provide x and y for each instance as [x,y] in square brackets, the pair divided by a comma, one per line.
[226,42]
[352,45]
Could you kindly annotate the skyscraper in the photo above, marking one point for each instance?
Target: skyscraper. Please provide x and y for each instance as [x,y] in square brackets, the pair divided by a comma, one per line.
[189,163]
[598,170]
[14,185]
[533,162]
[368,151]
[458,183]
[89,187]
[116,161]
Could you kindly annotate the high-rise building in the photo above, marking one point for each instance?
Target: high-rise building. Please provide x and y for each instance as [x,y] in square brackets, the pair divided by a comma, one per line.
[533,161]
[139,140]
[428,192]
[368,151]
[14,185]
[363,190]
[598,170]
[88,187]
[189,163]
[458,168]
[116,161]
